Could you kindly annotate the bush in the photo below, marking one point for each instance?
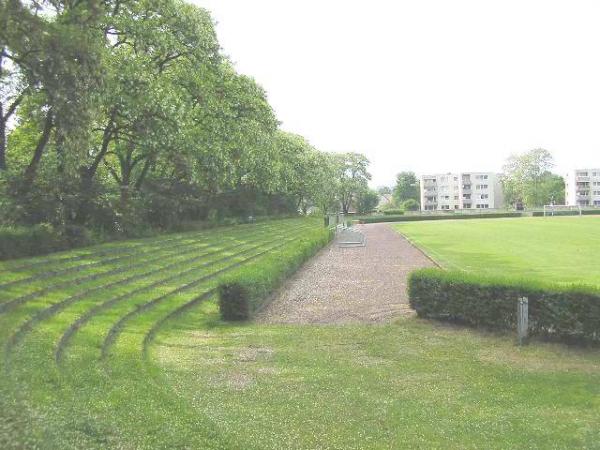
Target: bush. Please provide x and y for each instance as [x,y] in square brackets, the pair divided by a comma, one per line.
[410,205]
[568,313]
[377,219]
[18,242]
[247,291]
[393,212]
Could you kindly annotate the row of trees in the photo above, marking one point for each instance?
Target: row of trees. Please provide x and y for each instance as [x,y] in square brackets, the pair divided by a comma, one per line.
[115,113]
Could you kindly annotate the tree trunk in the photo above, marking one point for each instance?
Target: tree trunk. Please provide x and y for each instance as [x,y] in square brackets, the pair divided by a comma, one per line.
[2,140]
[31,170]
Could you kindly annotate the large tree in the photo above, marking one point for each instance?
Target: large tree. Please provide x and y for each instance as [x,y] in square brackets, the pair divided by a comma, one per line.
[353,178]
[527,179]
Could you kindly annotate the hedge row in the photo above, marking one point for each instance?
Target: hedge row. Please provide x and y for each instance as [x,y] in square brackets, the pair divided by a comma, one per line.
[18,242]
[393,212]
[585,212]
[416,218]
[244,293]
[567,313]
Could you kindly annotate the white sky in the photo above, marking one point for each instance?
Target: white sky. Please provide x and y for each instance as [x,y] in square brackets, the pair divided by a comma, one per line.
[426,85]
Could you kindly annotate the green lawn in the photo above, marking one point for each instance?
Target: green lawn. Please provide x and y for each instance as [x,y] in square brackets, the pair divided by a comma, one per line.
[95,354]
[558,249]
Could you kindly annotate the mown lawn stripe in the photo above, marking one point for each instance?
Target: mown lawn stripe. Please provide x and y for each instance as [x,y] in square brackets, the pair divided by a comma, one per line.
[9,305]
[119,325]
[59,306]
[154,246]
[106,249]
[98,308]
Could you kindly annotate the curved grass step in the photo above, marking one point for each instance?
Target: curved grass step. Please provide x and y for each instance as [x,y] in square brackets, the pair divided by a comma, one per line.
[118,327]
[61,305]
[155,245]
[9,305]
[146,304]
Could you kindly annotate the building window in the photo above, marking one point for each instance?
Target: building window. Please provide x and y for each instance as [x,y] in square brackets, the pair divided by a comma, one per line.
[481,186]
[467,196]
[484,196]
[466,186]
[467,205]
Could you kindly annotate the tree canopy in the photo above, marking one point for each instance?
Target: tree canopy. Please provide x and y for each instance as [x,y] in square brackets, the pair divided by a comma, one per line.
[527,179]
[115,113]
[407,188]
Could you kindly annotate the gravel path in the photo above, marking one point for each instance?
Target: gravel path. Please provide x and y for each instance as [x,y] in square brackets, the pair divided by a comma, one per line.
[350,285]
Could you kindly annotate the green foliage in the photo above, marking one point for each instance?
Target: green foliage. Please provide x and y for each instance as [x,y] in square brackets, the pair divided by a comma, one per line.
[569,313]
[19,242]
[527,179]
[244,293]
[411,205]
[366,201]
[426,217]
[125,116]
[352,177]
[407,188]
[393,212]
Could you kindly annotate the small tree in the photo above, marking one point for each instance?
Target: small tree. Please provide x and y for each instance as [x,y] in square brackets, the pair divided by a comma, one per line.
[410,205]
[366,201]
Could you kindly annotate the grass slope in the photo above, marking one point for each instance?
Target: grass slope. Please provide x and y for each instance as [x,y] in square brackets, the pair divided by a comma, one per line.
[94,355]
[558,249]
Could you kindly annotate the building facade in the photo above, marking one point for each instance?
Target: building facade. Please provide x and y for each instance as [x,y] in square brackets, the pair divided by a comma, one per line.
[467,190]
[583,188]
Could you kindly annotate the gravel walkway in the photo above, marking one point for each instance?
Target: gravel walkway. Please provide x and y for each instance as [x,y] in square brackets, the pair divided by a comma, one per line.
[350,285]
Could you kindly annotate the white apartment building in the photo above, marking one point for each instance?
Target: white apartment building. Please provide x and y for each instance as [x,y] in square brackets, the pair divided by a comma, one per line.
[583,187]
[467,190]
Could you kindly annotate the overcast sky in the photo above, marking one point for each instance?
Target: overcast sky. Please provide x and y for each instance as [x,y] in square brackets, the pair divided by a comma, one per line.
[426,85]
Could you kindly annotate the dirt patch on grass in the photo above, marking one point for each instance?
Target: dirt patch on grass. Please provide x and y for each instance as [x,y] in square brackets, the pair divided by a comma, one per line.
[351,285]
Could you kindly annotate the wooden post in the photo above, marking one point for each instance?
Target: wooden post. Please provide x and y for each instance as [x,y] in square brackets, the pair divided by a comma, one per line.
[522,319]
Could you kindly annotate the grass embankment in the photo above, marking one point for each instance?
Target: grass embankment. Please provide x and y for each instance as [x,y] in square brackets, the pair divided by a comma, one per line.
[118,347]
[550,249]
[75,329]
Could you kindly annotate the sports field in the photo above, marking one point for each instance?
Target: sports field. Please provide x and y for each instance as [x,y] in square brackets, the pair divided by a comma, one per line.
[554,249]
[121,346]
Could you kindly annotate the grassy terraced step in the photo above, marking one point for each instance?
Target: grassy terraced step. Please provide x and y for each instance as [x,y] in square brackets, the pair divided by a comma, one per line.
[160,270]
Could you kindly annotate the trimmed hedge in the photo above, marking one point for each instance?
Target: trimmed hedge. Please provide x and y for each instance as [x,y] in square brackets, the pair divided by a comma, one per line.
[18,242]
[416,218]
[393,212]
[585,212]
[247,291]
[567,313]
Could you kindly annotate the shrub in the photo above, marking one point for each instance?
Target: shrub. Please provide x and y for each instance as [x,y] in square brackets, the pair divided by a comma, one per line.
[393,212]
[568,313]
[16,242]
[377,219]
[410,205]
[247,291]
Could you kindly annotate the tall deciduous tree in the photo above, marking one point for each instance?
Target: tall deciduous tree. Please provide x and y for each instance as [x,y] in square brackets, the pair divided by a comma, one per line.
[353,177]
[407,188]
[527,178]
